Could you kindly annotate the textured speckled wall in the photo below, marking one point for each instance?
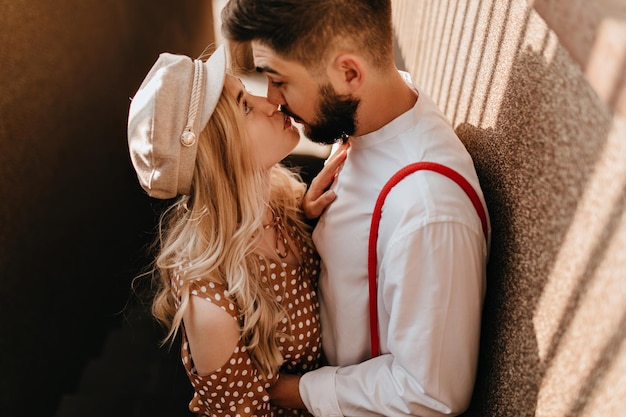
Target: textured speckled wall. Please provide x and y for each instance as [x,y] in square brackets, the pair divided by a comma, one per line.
[72,216]
[536,91]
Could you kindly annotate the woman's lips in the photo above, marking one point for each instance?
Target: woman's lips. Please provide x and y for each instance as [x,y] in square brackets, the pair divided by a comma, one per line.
[284,110]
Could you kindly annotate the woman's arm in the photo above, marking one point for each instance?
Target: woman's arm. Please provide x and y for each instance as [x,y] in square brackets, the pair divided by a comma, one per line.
[285,392]
[212,334]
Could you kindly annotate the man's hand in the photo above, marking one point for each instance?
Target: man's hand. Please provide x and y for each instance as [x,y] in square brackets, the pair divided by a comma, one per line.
[285,393]
[318,197]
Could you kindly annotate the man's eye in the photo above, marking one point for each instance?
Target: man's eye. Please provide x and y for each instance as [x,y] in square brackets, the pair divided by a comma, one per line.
[277,83]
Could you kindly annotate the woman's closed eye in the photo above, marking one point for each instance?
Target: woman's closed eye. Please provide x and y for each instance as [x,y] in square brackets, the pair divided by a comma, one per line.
[246,107]
[241,98]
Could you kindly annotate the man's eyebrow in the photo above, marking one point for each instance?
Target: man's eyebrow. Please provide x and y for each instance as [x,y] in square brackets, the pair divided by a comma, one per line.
[267,69]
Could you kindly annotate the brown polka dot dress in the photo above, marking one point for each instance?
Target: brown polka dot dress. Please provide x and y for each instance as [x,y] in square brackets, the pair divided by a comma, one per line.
[238,388]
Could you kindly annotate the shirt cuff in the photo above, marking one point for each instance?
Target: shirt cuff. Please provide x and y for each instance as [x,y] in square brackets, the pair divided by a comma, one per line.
[317,389]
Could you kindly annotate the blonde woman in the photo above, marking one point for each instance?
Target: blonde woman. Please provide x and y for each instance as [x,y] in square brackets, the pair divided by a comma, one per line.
[236,267]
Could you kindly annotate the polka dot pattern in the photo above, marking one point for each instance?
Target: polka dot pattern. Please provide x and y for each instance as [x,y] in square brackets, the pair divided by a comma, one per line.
[238,388]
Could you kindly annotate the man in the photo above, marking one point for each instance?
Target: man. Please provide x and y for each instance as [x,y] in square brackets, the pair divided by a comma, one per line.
[329,65]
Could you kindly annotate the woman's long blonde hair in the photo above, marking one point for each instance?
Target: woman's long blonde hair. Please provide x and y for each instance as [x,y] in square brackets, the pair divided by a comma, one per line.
[209,234]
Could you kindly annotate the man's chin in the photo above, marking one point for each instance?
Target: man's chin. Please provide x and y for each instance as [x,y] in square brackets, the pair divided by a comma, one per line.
[318,138]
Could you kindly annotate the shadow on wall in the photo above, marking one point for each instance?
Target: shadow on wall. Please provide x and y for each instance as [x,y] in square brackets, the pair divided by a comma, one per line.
[589,30]
[543,352]
[73,219]
[550,155]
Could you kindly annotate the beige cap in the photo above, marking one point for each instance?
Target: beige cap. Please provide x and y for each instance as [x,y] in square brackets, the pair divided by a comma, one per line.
[173,104]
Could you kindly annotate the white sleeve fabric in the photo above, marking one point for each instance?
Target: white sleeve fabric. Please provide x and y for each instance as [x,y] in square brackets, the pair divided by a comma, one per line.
[431,289]
[317,390]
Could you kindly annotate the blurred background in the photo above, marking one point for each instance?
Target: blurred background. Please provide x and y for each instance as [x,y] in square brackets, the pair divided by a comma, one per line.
[535,89]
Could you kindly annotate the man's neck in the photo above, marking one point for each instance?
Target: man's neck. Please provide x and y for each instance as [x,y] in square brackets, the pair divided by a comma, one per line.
[386,98]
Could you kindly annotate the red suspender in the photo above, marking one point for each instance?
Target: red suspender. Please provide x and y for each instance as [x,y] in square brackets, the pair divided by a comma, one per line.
[371,252]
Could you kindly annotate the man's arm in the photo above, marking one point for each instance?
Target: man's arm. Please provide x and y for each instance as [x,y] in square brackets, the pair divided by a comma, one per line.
[430,326]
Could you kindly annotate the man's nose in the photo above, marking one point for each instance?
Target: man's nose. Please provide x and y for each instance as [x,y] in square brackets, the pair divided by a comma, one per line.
[264,105]
[275,96]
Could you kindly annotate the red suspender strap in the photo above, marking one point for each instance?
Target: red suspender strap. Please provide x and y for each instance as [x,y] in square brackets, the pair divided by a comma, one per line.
[371,252]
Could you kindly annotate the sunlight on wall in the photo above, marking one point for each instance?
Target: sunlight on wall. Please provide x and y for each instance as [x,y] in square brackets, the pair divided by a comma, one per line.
[451,48]
[594,33]
[573,329]
[607,64]
[541,116]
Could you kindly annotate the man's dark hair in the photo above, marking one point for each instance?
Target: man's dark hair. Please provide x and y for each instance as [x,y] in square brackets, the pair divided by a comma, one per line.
[303,30]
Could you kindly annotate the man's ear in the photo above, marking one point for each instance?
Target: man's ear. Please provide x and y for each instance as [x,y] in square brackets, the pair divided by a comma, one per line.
[347,73]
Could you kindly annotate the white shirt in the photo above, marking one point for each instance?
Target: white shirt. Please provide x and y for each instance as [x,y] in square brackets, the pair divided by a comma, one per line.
[432,258]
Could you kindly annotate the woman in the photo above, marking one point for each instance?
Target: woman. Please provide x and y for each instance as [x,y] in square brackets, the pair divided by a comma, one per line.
[236,266]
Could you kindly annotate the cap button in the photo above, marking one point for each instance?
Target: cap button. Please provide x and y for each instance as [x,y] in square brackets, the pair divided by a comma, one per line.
[188,138]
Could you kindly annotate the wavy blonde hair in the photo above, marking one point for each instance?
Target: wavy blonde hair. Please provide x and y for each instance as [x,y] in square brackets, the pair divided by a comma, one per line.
[211,234]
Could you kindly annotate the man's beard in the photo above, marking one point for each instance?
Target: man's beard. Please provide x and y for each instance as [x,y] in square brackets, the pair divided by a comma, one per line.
[336,117]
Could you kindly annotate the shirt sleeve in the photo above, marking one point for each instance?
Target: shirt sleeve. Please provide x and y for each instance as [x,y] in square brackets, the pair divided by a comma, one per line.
[430,303]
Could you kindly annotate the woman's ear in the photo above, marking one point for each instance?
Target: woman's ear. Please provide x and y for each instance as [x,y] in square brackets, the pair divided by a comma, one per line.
[347,73]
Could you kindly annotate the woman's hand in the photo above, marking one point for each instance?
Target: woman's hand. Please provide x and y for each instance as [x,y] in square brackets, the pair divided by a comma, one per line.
[318,196]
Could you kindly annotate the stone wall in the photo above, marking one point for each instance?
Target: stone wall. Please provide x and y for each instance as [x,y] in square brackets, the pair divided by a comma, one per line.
[537,92]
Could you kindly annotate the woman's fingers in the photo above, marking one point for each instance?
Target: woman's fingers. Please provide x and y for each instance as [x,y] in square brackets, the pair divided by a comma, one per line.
[318,196]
